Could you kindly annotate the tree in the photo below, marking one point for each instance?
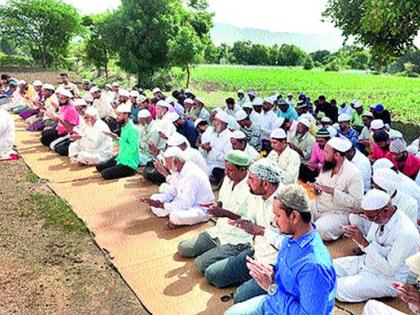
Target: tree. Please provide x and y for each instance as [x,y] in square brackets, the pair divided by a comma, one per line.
[388,27]
[291,55]
[240,51]
[309,63]
[44,27]
[320,56]
[259,55]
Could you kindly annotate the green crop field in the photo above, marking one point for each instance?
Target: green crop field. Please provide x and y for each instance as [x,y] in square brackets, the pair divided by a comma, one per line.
[398,94]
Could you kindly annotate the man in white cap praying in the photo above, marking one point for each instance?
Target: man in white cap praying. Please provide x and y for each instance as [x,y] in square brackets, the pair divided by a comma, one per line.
[157,93]
[251,130]
[219,145]
[147,130]
[286,159]
[7,135]
[302,141]
[239,142]
[91,145]
[185,127]
[338,187]
[102,104]
[183,204]
[199,111]
[391,239]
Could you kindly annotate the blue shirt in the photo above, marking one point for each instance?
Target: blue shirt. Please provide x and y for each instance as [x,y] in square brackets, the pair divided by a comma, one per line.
[188,130]
[290,114]
[305,277]
[352,135]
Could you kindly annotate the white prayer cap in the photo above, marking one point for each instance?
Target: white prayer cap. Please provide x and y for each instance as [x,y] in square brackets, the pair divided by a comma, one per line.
[223,116]
[198,121]
[134,94]
[382,163]
[237,134]
[233,124]
[144,113]
[289,94]
[166,127]
[373,106]
[162,103]
[304,122]
[189,101]
[240,91]
[22,82]
[257,102]
[109,86]
[386,179]
[37,83]
[94,90]
[142,98]
[48,86]
[92,111]
[397,145]
[156,90]
[124,108]
[343,117]
[176,139]
[326,119]
[333,132]
[115,84]
[172,116]
[216,110]
[278,134]
[357,104]
[124,93]
[339,144]
[268,100]
[252,92]
[199,100]
[66,93]
[367,114]
[279,122]
[377,124]
[174,152]
[188,91]
[413,262]
[80,102]
[241,115]
[247,105]
[375,199]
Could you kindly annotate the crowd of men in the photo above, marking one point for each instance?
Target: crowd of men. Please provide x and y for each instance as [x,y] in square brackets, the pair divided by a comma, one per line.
[291,176]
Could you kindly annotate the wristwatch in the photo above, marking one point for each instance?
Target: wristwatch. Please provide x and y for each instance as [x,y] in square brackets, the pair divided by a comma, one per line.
[272,289]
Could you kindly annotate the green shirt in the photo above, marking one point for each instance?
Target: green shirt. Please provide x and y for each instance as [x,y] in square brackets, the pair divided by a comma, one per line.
[356,119]
[129,146]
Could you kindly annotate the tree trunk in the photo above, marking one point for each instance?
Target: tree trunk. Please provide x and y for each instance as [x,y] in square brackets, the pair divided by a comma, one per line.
[106,71]
[188,76]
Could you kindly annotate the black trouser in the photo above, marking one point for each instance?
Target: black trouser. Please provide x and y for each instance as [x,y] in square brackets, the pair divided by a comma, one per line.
[218,174]
[111,170]
[49,135]
[113,125]
[62,148]
[152,174]
[307,175]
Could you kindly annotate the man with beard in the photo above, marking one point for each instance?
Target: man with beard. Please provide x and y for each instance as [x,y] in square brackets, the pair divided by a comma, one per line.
[405,162]
[199,111]
[239,142]
[219,145]
[185,127]
[179,95]
[102,104]
[158,94]
[91,146]
[339,187]
[251,130]
[264,181]
[231,107]
[302,141]
[66,119]
[126,162]
[183,203]
[346,130]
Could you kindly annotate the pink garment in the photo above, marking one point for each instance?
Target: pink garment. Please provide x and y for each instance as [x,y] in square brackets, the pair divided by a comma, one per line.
[152,110]
[317,156]
[378,153]
[69,114]
[409,167]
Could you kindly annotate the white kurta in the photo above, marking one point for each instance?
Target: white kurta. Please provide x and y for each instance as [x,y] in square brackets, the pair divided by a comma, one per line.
[234,199]
[330,211]
[255,118]
[183,198]
[363,164]
[289,162]
[360,278]
[220,145]
[7,134]
[94,147]
[267,123]
[373,307]
[252,153]
[104,107]
[195,156]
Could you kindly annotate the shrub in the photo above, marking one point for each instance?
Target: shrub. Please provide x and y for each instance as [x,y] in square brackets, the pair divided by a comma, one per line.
[15,61]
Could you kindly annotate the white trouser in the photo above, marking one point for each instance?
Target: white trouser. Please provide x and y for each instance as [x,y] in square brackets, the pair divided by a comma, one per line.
[361,223]
[328,224]
[373,307]
[58,140]
[356,284]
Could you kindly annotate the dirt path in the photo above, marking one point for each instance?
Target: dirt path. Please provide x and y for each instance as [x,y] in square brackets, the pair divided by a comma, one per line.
[49,264]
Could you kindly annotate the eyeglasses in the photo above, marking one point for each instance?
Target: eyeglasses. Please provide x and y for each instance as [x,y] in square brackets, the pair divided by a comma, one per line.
[373,218]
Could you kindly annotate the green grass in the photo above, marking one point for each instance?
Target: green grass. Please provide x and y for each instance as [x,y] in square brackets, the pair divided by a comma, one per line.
[56,213]
[398,94]
[32,177]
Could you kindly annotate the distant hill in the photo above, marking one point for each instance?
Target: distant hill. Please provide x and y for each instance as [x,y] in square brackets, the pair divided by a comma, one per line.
[228,34]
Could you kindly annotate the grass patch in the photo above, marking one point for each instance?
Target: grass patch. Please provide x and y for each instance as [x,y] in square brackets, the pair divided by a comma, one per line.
[57,213]
[32,177]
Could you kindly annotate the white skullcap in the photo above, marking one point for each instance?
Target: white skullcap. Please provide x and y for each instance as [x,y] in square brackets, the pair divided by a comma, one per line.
[162,103]
[240,91]
[375,199]
[377,124]
[367,114]
[176,139]
[22,82]
[174,152]
[304,122]
[326,119]
[241,115]
[199,99]
[397,145]
[124,108]
[115,84]
[373,106]
[289,94]
[237,134]
[278,134]
[48,86]
[123,93]
[357,104]
[333,132]
[413,262]
[198,121]
[66,93]
[144,113]
[343,117]
[279,122]
[339,144]
[189,101]
[207,136]
[79,102]
[37,83]
[94,90]
[134,94]
[109,86]
[166,127]
[382,163]
[257,102]
[247,105]
[216,110]
[172,116]
[142,98]
[92,111]
[252,92]
[386,179]
[156,90]
[223,116]
[268,100]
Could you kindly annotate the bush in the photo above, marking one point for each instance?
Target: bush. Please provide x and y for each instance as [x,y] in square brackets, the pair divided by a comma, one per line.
[15,61]
[332,66]
[309,63]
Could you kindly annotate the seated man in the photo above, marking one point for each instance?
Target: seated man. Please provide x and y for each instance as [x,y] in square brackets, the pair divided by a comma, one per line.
[7,135]
[264,181]
[251,130]
[238,142]
[339,187]
[91,146]
[183,203]
[391,239]
[286,159]
[302,141]
[405,162]
[303,279]
[126,162]
[185,127]
[224,240]
[347,131]
[362,163]
[147,131]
